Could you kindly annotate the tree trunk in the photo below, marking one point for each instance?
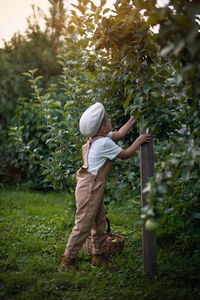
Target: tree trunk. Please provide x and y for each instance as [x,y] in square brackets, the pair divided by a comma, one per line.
[148,238]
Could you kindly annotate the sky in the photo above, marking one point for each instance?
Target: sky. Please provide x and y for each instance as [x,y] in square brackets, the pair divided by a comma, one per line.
[14,14]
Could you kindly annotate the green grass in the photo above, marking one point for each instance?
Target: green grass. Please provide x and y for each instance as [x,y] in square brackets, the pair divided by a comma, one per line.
[34,228]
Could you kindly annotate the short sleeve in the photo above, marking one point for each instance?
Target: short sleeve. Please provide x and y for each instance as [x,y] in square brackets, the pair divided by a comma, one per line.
[110,149]
[110,134]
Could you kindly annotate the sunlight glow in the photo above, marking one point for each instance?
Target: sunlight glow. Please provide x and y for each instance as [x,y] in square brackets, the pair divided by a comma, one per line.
[14,14]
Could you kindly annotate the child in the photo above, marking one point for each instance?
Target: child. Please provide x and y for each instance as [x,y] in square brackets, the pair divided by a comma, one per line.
[98,154]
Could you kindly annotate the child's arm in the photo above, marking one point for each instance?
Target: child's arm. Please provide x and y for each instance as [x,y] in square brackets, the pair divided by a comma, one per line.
[143,138]
[117,135]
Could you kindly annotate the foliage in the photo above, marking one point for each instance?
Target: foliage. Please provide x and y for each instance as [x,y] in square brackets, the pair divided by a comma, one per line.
[179,169]
[162,90]
[19,55]
[55,23]
[56,121]
[46,138]
[35,230]
[36,48]
[119,60]
[130,64]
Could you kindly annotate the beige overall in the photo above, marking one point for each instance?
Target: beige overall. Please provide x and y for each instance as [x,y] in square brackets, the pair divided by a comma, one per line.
[90,212]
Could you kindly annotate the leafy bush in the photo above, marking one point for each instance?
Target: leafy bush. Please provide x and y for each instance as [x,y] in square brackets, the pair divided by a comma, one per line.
[46,136]
[35,48]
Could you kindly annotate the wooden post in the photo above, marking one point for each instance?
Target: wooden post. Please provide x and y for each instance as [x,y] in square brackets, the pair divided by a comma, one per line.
[148,238]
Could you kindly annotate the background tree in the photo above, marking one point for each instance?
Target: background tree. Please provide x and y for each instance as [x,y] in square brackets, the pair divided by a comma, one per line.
[56,23]
[36,48]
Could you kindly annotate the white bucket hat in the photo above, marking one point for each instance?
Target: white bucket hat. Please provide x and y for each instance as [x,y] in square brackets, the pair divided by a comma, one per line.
[91,119]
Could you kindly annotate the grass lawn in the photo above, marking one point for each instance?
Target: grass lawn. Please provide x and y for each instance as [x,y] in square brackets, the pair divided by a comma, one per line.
[34,228]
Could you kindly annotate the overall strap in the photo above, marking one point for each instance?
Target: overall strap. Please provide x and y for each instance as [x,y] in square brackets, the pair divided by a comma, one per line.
[85,150]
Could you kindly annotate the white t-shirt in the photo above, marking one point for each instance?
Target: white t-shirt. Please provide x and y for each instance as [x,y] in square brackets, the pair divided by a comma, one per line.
[101,150]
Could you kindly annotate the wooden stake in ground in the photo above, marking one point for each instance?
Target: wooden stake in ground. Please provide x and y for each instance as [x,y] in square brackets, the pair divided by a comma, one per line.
[148,238]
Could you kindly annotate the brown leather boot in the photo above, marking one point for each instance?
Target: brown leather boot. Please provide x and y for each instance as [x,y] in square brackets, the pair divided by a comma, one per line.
[68,264]
[99,260]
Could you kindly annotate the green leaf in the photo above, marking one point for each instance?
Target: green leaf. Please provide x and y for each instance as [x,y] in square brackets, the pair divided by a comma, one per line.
[93,7]
[67,105]
[106,10]
[27,74]
[60,62]
[66,124]
[71,29]
[31,81]
[85,2]
[38,78]
[127,77]
[33,71]
[90,76]
[103,2]
[39,91]
[80,7]
[166,50]
[90,24]
[129,98]
[45,172]
[97,14]
[56,104]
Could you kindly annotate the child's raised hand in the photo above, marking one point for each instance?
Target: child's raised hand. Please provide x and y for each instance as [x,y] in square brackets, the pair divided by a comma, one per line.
[145,138]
